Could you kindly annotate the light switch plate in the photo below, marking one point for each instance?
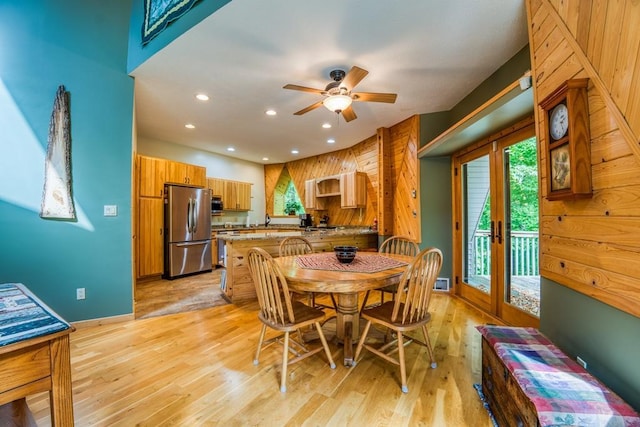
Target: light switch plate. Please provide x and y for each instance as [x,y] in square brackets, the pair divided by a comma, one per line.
[110,210]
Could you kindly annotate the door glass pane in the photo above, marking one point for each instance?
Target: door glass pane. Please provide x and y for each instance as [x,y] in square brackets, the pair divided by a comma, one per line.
[520,228]
[476,224]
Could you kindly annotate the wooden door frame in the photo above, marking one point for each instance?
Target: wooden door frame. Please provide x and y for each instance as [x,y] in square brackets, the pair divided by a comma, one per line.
[492,303]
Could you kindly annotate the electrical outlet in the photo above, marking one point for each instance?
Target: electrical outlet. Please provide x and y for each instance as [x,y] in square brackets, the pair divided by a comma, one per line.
[80,293]
[581,362]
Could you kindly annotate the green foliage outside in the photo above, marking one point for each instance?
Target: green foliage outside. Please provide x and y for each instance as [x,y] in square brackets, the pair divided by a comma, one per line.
[523,179]
[292,201]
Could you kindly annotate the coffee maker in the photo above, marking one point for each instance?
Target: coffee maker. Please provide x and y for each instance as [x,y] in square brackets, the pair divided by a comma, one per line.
[306,220]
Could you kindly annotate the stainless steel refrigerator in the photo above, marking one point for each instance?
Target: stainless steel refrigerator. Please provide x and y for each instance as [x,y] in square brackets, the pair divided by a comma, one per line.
[187,221]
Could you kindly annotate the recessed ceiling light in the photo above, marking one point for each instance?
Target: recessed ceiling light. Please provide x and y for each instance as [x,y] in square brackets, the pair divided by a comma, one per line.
[326,125]
[231,149]
[331,140]
[264,159]
[202,97]
[189,126]
[270,112]
[294,151]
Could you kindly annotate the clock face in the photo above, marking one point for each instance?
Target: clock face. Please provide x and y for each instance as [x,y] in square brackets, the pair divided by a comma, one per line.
[558,121]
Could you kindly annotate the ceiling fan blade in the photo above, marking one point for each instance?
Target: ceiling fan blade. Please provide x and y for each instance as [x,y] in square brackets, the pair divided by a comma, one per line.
[304,89]
[309,108]
[374,97]
[353,77]
[349,114]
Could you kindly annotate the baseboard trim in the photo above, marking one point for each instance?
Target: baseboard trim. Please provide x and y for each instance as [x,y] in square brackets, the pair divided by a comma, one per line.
[103,321]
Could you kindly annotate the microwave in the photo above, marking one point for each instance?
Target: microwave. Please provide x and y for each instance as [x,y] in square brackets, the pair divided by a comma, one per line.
[216,205]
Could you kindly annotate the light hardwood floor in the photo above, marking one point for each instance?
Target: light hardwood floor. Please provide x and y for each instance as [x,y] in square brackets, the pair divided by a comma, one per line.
[195,368]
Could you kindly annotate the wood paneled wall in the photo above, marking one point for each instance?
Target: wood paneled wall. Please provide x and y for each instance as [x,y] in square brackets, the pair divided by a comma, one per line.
[593,245]
[388,158]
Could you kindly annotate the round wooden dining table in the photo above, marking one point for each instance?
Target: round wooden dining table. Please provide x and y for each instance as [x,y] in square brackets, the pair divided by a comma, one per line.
[345,285]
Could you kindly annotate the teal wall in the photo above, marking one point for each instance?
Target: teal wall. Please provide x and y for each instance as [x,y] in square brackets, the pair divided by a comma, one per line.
[139,53]
[606,338]
[81,44]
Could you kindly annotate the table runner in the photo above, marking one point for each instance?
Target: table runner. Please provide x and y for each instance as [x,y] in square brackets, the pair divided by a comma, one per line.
[562,391]
[369,263]
[24,316]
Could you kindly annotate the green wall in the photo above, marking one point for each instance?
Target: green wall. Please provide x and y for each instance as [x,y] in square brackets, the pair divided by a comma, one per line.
[81,44]
[435,189]
[606,338]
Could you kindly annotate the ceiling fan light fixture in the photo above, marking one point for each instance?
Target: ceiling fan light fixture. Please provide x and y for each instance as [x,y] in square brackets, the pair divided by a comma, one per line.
[337,103]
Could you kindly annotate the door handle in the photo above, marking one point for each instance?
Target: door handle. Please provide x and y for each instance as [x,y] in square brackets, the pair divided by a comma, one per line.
[499,236]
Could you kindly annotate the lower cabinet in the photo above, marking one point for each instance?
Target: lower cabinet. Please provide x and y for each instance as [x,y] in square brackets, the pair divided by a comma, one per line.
[150,236]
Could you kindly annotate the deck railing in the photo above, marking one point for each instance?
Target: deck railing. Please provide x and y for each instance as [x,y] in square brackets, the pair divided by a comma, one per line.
[524,253]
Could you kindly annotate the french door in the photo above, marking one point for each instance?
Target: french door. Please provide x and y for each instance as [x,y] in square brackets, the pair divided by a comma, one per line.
[496,228]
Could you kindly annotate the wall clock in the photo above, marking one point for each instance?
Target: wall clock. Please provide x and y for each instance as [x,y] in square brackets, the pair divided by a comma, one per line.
[566,141]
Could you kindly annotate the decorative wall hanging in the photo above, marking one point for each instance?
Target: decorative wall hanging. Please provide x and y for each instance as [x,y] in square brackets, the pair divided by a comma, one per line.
[57,198]
[159,13]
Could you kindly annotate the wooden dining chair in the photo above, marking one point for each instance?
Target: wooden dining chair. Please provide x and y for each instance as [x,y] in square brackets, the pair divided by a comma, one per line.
[408,312]
[295,245]
[398,245]
[279,312]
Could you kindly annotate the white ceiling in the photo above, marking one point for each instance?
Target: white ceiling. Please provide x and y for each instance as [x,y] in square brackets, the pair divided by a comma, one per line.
[432,53]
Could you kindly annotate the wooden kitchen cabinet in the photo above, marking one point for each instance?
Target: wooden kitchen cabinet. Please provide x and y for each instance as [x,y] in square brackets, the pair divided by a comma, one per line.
[150,257]
[236,196]
[353,190]
[311,202]
[184,173]
[216,185]
[152,174]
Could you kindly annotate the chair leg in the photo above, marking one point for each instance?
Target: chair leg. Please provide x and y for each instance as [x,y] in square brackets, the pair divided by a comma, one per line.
[403,368]
[363,337]
[429,349]
[285,360]
[364,301]
[325,345]
[381,297]
[260,341]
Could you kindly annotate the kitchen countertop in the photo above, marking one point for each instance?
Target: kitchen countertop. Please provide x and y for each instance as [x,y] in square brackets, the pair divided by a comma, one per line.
[265,234]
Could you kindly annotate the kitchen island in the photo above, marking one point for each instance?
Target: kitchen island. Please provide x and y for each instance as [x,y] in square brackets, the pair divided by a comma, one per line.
[237,284]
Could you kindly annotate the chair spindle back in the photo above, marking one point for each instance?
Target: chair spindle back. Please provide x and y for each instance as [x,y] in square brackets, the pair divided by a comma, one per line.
[271,287]
[414,290]
[295,246]
[399,245]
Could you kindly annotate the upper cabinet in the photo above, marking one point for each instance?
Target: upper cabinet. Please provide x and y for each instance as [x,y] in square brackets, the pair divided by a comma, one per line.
[216,185]
[350,186]
[311,202]
[183,173]
[152,174]
[236,195]
[353,190]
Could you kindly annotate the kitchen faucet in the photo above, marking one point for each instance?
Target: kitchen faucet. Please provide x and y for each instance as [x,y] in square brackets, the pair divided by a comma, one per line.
[267,220]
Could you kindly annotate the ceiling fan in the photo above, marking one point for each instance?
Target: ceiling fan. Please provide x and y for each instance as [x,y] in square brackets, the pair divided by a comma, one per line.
[339,96]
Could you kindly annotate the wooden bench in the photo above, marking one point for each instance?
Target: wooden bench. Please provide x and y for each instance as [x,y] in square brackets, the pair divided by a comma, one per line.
[528,381]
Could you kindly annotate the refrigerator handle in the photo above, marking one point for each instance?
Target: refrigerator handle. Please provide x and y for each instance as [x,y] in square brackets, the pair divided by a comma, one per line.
[189,210]
[194,212]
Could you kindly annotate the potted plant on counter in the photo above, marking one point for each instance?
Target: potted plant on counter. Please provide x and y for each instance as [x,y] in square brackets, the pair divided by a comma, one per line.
[292,207]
